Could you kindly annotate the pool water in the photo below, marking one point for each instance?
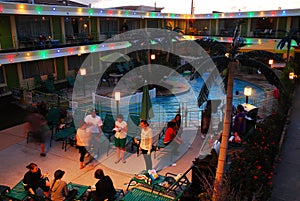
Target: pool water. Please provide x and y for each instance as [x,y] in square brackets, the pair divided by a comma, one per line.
[166,107]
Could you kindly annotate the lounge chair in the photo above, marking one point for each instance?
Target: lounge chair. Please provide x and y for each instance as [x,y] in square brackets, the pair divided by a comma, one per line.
[137,194]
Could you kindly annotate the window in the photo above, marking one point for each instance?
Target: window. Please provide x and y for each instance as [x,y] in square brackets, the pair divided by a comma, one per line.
[41,67]
[152,23]
[2,80]
[32,27]
[109,26]
[75,62]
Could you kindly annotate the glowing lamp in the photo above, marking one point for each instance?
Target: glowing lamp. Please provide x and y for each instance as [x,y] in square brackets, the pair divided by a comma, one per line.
[152,56]
[271,61]
[82,71]
[247,92]
[117,96]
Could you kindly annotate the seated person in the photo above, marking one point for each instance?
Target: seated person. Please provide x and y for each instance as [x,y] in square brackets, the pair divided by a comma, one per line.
[105,189]
[170,135]
[59,189]
[177,120]
[34,179]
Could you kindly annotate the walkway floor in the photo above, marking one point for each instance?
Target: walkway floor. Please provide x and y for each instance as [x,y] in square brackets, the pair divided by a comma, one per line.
[286,181]
[15,154]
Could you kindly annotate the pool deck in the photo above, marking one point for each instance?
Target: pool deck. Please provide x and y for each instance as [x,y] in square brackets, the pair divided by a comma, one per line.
[15,154]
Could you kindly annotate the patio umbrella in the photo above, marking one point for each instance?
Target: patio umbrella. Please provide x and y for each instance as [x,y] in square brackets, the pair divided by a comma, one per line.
[115,57]
[147,112]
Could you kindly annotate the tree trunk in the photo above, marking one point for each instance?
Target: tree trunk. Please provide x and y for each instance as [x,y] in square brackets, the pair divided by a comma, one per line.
[217,194]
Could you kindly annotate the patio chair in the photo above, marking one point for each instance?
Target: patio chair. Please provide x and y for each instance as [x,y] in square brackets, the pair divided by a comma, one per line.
[126,66]
[18,192]
[50,88]
[136,194]
[134,130]
[160,146]
[108,126]
[176,189]
[66,134]
[71,81]
[53,120]
[121,69]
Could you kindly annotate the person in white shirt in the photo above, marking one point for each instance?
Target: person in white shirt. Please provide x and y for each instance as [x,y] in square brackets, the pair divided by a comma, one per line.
[94,126]
[120,137]
[94,122]
[146,143]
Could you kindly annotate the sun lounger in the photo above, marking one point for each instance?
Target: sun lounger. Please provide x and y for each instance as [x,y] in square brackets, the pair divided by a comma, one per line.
[18,192]
[137,194]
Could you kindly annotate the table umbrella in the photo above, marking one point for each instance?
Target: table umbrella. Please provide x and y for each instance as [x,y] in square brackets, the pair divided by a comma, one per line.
[115,57]
[147,112]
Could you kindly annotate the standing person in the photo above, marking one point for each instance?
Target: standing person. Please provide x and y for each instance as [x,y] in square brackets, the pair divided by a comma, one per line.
[205,120]
[83,137]
[105,189]
[59,188]
[121,129]
[146,143]
[238,124]
[37,127]
[94,125]
[34,179]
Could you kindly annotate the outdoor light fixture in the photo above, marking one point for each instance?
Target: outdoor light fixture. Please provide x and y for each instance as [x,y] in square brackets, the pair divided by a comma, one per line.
[152,56]
[117,99]
[292,75]
[271,61]
[247,93]
[82,72]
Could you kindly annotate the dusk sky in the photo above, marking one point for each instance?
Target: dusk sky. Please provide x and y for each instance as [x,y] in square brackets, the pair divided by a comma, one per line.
[201,6]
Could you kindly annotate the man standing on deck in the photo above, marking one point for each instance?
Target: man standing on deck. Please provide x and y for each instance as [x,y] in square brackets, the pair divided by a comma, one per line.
[94,125]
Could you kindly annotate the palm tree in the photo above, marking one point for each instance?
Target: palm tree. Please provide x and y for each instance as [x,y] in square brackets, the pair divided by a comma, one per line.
[287,40]
[172,34]
[229,62]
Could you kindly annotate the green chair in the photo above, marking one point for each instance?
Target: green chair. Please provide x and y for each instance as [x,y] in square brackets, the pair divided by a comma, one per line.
[50,88]
[71,81]
[137,194]
[53,120]
[134,130]
[66,135]
[18,192]
[81,189]
[108,126]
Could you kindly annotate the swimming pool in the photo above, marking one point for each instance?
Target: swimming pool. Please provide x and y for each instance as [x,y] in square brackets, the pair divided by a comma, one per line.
[166,107]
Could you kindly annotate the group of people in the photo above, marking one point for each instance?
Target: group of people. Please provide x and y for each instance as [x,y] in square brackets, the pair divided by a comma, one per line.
[89,131]
[57,189]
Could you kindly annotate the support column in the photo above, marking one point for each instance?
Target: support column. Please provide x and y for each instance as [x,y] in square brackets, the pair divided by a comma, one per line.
[14,34]
[63,30]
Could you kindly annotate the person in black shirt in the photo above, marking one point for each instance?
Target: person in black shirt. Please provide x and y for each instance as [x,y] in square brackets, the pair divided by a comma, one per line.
[34,179]
[105,189]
